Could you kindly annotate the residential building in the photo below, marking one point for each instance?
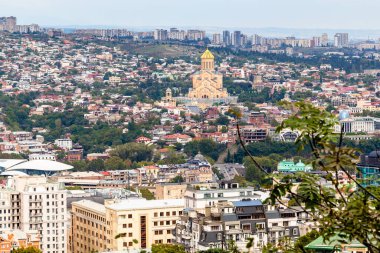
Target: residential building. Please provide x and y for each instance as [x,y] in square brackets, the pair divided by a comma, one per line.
[160,34]
[216,38]
[125,224]
[200,198]
[341,40]
[237,221]
[236,39]
[32,204]
[226,38]
[15,239]
[65,144]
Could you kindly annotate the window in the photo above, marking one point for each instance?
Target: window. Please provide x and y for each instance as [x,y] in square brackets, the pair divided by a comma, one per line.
[219,236]
[169,232]
[124,225]
[286,223]
[220,195]
[130,216]
[155,214]
[155,223]
[246,227]
[174,213]
[295,232]
[130,225]
[168,222]
[167,213]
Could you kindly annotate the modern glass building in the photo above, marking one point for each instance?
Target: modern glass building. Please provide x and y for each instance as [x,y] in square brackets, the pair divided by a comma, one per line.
[369,169]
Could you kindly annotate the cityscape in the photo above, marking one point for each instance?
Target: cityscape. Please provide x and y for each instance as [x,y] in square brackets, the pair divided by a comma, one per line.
[187,140]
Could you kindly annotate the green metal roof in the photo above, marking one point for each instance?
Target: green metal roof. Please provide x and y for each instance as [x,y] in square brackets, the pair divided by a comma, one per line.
[333,243]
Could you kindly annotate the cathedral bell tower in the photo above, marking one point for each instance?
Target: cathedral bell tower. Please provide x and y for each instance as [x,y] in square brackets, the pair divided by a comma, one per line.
[207,61]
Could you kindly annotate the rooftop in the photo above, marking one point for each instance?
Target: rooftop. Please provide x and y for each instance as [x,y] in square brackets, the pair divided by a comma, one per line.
[134,204]
[93,206]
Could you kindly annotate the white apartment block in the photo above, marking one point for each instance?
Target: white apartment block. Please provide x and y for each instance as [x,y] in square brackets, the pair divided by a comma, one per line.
[31,203]
[199,199]
[66,144]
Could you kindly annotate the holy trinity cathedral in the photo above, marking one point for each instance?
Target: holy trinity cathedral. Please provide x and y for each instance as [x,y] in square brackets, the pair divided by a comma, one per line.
[207,87]
[207,84]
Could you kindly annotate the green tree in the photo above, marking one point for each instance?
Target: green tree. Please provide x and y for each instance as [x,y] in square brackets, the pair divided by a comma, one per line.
[136,152]
[354,216]
[26,250]
[177,129]
[115,163]
[177,179]
[167,248]
[96,165]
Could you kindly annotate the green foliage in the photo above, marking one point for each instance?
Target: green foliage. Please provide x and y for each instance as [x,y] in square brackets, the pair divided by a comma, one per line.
[26,250]
[177,129]
[96,165]
[222,120]
[145,193]
[269,147]
[136,152]
[177,179]
[167,248]
[115,163]
[353,215]
[262,96]
[172,158]
[305,240]
[206,147]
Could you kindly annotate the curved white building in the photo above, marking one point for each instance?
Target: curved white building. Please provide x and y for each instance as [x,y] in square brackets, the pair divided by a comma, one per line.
[12,167]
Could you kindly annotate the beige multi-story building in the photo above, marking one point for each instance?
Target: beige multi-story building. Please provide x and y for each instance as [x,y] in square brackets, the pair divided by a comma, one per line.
[170,190]
[207,83]
[123,224]
[88,227]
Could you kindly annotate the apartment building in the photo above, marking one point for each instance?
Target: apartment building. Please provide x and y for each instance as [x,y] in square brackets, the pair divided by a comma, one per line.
[123,224]
[237,221]
[14,239]
[200,198]
[32,203]
[88,227]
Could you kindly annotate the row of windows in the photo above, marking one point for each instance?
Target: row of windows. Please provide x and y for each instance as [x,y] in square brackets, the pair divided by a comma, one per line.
[88,230]
[124,216]
[161,232]
[162,214]
[162,223]
[161,241]
[90,215]
[84,221]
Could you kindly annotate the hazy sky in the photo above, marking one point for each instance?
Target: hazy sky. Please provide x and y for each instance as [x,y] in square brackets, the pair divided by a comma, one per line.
[344,14]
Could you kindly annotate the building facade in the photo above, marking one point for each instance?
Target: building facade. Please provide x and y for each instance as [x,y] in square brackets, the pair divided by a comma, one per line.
[207,83]
[120,225]
[32,204]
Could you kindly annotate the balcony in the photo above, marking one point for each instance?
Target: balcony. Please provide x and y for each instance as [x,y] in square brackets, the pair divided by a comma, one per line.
[35,200]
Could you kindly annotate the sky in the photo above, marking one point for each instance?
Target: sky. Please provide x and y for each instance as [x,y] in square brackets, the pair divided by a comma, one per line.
[300,14]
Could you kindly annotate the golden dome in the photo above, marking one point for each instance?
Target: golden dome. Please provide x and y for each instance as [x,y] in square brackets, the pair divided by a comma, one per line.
[207,55]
